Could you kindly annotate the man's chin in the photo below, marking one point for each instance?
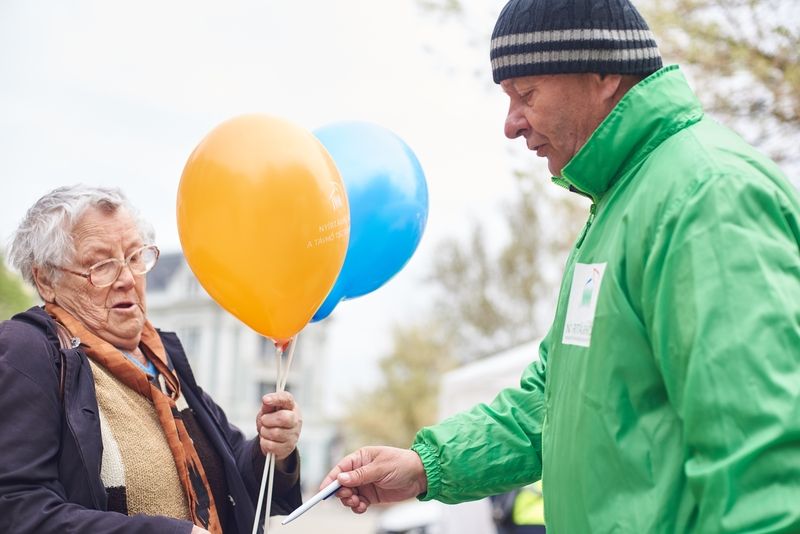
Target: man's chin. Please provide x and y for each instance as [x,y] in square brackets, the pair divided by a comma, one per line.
[553,167]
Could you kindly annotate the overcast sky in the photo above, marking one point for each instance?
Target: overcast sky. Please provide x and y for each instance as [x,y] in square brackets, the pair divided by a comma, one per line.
[119,93]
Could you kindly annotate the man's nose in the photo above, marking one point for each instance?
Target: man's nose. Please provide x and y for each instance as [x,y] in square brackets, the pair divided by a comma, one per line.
[516,123]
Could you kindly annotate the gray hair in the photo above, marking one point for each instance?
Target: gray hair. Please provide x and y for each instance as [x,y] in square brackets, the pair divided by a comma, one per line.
[44,237]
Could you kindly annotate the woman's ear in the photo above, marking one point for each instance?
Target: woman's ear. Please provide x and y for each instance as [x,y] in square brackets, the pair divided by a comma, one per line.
[44,284]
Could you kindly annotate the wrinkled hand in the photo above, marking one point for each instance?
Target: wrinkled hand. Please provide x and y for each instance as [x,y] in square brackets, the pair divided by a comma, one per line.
[378,474]
[278,424]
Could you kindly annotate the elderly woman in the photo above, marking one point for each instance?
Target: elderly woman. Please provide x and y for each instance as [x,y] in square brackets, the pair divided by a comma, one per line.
[102,425]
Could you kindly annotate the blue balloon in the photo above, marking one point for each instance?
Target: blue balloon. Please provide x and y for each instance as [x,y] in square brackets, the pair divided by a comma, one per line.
[388,200]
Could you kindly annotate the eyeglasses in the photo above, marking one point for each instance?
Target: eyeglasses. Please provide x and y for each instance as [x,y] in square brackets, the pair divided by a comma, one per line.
[104,273]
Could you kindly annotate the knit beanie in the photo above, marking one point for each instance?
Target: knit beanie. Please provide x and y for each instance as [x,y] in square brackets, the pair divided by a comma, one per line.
[535,37]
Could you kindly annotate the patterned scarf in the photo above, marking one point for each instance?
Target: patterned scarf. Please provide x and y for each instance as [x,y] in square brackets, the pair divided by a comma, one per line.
[190,469]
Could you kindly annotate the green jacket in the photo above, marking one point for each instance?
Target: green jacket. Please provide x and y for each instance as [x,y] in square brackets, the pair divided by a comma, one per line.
[666,397]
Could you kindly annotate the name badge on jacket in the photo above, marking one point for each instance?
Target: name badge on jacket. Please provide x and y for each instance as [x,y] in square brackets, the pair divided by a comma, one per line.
[582,303]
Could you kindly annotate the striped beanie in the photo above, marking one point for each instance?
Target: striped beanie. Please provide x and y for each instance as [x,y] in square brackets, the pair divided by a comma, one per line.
[535,37]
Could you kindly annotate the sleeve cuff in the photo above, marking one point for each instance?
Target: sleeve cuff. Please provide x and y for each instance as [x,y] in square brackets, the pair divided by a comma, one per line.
[287,472]
[433,470]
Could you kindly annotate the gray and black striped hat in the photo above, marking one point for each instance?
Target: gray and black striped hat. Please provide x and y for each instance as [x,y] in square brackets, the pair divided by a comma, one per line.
[535,37]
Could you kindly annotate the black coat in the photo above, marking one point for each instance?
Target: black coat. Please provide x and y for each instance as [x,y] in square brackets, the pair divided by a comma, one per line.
[50,451]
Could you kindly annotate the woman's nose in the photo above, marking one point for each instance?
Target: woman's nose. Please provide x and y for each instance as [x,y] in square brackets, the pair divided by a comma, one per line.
[126,277]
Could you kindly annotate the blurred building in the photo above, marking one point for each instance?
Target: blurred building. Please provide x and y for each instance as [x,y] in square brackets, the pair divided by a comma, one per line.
[236,365]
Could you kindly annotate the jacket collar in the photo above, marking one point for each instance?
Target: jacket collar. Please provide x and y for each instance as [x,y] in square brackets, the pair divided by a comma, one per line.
[39,318]
[651,111]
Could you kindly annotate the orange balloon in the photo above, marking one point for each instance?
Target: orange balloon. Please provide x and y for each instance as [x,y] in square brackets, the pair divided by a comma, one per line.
[264,222]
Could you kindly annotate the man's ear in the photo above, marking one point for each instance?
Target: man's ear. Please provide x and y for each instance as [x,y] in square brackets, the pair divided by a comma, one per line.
[610,87]
[44,284]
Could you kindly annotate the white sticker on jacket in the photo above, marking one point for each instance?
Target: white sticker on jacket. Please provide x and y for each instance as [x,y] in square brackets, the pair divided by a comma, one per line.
[582,303]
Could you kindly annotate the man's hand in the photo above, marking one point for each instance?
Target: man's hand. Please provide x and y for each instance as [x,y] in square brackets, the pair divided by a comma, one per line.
[278,424]
[378,474]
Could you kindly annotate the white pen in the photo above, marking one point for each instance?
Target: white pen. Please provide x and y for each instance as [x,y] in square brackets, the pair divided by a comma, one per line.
[323,494]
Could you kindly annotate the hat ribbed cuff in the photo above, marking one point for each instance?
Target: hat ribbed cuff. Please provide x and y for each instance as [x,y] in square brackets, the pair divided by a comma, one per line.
[566,51]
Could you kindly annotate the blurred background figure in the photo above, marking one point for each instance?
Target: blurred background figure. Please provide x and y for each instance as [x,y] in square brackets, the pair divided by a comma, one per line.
[520,511]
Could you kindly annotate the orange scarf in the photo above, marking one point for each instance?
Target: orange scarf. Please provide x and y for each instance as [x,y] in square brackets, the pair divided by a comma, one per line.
[190,469]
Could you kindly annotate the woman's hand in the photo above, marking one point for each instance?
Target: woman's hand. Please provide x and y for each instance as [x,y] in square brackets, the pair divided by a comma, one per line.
[278,424]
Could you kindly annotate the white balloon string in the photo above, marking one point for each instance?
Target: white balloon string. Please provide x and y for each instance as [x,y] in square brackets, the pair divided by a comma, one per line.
[289,356]
[267,465]
[268,504]
[270,466]
[267,478]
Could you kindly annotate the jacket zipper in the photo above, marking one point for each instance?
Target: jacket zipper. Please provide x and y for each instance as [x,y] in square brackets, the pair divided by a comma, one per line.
[592,211]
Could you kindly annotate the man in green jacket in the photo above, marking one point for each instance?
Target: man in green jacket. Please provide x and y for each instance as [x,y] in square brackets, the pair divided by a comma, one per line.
[666,396]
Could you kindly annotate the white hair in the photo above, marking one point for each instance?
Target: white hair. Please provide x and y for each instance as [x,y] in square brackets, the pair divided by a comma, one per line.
[44,237]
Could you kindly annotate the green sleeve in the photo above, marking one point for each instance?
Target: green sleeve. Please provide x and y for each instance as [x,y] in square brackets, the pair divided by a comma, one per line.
[724,282]
[488,449]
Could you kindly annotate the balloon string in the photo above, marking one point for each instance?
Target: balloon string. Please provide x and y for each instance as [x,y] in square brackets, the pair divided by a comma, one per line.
[283,376]
[269,460]
[264,476]
[289,356]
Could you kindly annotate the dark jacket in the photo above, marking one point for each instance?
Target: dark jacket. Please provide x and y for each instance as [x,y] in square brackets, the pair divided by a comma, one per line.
[50,451]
